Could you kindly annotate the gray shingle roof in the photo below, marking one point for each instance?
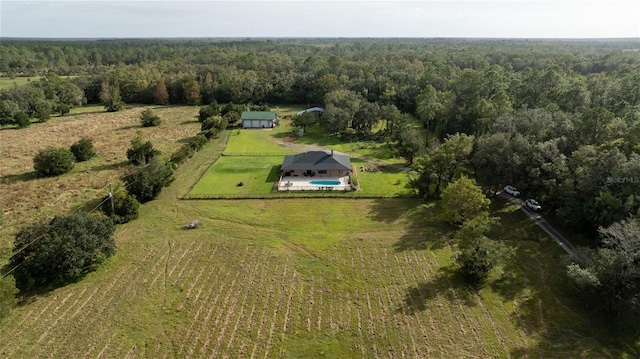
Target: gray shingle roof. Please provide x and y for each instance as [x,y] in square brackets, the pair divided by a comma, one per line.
[316,160]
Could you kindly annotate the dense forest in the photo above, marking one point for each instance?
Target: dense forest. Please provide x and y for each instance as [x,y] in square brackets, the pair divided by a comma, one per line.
[559,119]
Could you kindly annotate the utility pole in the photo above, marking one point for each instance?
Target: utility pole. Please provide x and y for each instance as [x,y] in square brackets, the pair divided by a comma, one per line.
[113,209]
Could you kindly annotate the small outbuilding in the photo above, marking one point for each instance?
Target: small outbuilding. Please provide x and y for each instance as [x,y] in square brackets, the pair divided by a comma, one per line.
[259,119]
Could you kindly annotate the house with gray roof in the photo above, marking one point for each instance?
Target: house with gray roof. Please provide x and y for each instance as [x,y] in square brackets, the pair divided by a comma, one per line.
[315,170]
[259,119]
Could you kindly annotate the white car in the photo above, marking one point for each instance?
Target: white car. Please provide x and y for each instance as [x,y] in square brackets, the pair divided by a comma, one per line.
[512,191]
[533,204]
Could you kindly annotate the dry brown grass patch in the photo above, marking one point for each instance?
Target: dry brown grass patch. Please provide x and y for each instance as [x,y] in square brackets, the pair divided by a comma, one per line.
[25,198]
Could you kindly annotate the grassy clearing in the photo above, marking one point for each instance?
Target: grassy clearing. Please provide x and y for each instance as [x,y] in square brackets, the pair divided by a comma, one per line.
[257,143]
[339,278]
[8,82]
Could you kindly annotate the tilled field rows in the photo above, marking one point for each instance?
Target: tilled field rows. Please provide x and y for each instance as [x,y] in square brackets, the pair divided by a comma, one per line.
[225,300]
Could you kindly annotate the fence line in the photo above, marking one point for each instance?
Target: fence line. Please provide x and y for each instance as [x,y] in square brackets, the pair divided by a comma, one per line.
[255,154]
[297,194]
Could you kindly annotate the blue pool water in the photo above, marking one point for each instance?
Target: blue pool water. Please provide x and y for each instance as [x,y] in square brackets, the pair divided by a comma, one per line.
[325,183]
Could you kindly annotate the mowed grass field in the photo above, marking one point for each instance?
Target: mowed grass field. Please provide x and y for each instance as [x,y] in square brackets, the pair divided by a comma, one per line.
[257,174]
[310,278]
[253,157]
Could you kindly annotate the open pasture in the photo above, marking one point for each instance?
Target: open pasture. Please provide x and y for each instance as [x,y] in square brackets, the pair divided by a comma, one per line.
[25,198]
[339,278]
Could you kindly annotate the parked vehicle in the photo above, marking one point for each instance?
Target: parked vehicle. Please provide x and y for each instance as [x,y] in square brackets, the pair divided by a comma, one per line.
[533,204]
[512,191]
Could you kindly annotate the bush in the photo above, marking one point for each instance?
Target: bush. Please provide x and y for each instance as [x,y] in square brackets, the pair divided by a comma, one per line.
[53,162]
[209,134]
[122,207]
[212,110]
[83,150]
[197,142]
[149,119]
[181,155]
[147,182]
[61,251]
[141,153]
[22,120]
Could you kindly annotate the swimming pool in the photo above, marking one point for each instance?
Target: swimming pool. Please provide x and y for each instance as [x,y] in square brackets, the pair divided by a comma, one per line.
[325,183]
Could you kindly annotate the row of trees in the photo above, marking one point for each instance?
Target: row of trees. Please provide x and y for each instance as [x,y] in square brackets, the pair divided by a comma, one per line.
[39,100]
[455,86]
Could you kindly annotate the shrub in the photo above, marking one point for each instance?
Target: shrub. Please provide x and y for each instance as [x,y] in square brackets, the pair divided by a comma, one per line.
[206,112]
[209,134]
[122,207]
[181,155]
[83,150]
[149,119]
[141,153]
[197,142]
[22,120]
[63,250]
[53,162]
[147,182]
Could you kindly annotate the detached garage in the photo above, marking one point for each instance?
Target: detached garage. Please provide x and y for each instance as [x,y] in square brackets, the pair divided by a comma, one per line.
[259,119]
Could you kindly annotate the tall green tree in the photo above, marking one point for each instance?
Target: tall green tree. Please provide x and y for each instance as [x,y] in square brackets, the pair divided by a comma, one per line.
[141,152]
[340,108]
[462,200]
[611,272]
[110,97]
[476,254]
[63,250]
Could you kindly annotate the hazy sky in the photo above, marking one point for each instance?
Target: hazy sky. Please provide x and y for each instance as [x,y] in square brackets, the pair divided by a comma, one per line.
[304,18]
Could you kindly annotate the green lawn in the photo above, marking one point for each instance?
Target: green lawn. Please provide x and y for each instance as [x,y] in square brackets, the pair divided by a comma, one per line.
[256,143]
[253,157]
[258,174]
[365,148]
[383,181]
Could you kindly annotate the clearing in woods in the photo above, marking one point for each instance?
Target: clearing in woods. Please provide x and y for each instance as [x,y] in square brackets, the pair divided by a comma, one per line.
[338,278]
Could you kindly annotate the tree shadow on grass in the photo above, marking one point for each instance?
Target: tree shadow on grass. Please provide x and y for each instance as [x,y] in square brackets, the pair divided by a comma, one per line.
[21,177]
[130,127]
[576,327]
[447,284]
[422,229]
[274,174]
[109,166]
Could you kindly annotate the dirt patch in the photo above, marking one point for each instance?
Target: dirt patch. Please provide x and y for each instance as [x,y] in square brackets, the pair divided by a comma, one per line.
[290,138]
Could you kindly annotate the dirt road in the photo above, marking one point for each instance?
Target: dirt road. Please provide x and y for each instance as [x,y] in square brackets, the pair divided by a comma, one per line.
[542,223]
